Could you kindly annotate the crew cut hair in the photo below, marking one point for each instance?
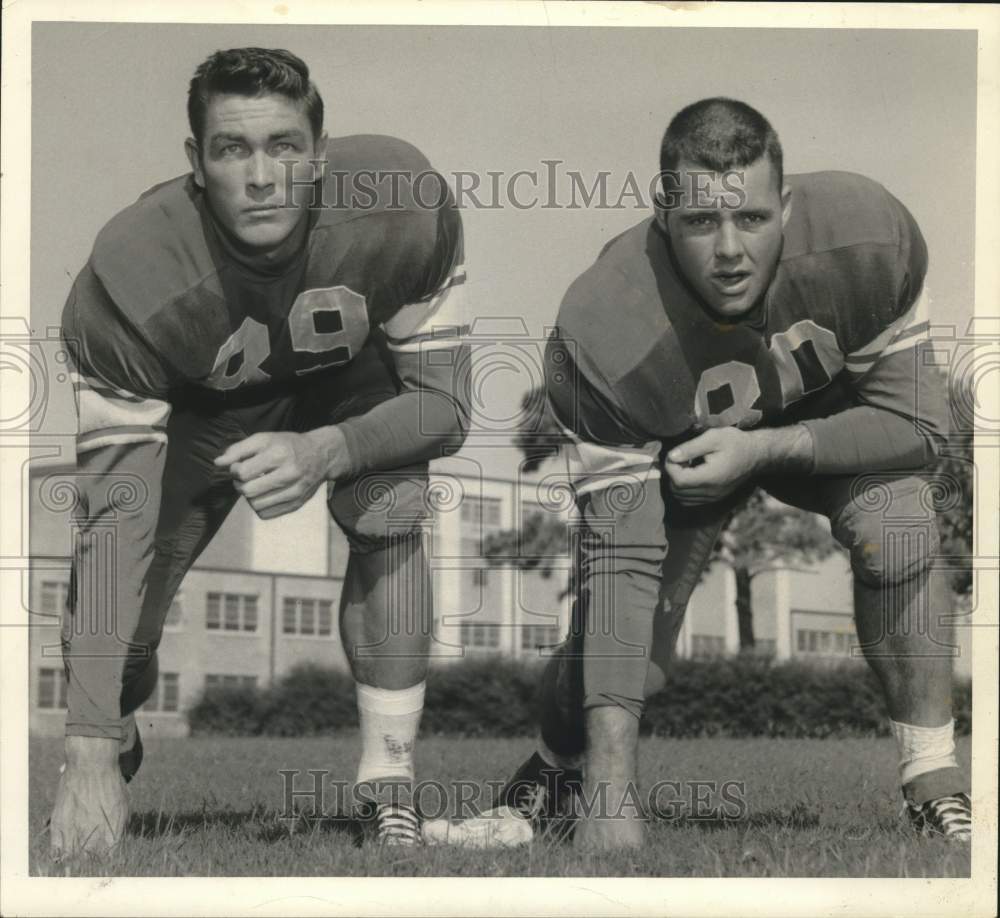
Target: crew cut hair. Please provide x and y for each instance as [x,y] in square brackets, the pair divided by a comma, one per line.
[253,72]
[720,134]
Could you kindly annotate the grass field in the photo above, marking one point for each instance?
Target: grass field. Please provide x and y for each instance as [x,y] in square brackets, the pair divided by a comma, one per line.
[213,807]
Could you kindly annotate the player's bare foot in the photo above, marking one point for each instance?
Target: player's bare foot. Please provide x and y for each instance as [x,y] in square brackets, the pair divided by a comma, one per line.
[598,834]
[610,817]
[91,808]
[609,806]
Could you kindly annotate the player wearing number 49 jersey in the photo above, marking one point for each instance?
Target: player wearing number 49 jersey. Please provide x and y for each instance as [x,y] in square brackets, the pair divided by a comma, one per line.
[759,329]
[257,329]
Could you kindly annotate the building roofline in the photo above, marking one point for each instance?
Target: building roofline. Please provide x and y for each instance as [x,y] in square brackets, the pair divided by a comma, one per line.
[217,569]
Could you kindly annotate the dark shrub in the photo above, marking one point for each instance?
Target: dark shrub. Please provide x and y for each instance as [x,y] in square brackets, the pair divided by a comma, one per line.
[489,696]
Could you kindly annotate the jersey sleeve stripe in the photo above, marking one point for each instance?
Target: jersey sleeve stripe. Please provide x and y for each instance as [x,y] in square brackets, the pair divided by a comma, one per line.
[105,413]
[119,436]
[80,381]
[438,338]
[625,477]
[595,467]
[905,341]
[908,338]
[455,279]
[907,331]
[444,309]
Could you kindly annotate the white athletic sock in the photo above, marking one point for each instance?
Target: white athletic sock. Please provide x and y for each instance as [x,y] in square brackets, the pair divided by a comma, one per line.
[556,760]
[389,721]
[924,749]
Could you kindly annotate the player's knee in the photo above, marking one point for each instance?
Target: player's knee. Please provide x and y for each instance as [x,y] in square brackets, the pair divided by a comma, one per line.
[886,550]
[634,706]
[876,563]
[381,507]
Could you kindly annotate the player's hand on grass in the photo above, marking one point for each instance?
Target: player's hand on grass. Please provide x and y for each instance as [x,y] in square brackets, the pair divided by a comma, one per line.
[278,472]
[712,465]
[91,808]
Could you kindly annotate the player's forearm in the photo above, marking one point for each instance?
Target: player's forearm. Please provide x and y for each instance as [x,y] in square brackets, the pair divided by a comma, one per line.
[900,421]
[415,426]
[867,439]
[783,450]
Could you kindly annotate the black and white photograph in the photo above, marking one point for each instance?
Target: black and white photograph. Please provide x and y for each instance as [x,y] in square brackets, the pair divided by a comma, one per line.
[445,444]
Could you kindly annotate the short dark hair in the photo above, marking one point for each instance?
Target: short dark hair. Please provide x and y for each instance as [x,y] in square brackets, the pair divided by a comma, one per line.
[720,134]
[253,72]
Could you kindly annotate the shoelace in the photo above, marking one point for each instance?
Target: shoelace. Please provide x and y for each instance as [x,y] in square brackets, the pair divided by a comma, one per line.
[397,823]
[532,803]
[949,815]
[951,812]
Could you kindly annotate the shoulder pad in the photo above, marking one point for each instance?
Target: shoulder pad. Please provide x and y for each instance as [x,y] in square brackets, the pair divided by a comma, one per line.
[368,173]
[832,210]
[154,250]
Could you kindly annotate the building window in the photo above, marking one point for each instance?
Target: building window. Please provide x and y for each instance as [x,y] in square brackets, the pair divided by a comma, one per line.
[249,613]
[54,594]
[175,613]
[289,616]
[478,636]
[707,646]
[51,688]
[816,642]
[166,695]
[231,612]
[481,511]
[481,577]
[308,616]
[480,517]
[228,680]
[534,636]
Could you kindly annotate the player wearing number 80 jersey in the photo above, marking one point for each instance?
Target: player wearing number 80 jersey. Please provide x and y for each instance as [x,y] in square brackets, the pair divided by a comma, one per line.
[255,329]
[758,329]
[846,296]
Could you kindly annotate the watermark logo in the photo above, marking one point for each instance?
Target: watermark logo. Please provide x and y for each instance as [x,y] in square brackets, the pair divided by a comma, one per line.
[314,794]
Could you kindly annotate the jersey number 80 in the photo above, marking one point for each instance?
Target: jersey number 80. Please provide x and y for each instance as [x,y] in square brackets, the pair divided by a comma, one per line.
[806,357]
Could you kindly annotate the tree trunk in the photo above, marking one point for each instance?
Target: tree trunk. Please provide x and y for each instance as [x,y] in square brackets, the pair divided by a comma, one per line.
[744,610]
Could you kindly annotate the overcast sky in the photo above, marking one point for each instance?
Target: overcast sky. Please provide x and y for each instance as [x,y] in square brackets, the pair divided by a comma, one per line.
[108,106]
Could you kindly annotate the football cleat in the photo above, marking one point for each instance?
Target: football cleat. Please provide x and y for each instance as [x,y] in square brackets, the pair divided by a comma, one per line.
[397,824]
[544,795]
[498,828]
[944,817]
[130,760]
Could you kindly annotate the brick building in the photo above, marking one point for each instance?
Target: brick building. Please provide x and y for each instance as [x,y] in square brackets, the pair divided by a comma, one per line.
[264,595]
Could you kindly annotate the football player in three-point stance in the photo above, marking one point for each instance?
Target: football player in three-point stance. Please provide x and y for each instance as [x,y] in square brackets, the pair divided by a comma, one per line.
[286,315]
[759,329]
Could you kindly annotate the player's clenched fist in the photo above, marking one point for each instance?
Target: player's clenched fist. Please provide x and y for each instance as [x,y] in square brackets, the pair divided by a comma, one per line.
[278,472]
[712,465]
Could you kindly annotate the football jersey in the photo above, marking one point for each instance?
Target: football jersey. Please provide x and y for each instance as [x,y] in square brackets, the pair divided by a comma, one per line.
[638,363]
[166,301]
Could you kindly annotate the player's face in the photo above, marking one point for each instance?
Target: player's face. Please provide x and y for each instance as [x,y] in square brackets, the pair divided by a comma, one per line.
[253,149]
[729,253]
